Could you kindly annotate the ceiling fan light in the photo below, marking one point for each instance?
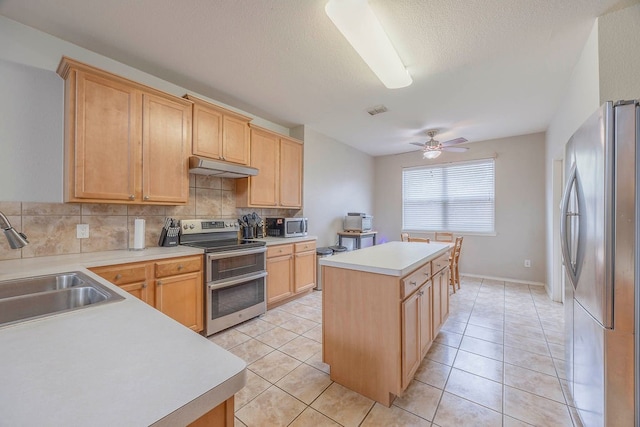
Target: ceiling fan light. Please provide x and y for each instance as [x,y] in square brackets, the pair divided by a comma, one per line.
[431,154]
[358,24]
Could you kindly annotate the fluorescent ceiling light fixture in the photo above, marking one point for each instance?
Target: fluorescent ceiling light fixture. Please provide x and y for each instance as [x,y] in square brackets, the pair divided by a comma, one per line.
[361,28]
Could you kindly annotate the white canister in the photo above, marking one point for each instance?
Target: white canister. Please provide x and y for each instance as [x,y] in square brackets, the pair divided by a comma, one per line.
[138,234]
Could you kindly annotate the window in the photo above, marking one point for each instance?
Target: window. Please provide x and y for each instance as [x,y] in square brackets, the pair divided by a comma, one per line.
[456,197]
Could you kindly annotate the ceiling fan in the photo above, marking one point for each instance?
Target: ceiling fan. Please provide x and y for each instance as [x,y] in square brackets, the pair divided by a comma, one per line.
[432,148]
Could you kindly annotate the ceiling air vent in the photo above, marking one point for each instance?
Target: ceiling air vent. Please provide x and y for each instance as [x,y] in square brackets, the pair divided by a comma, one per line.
[377,110]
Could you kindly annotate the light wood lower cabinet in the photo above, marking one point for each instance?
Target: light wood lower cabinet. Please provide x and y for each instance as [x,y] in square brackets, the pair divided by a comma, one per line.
[220,416]
[378,328]
[291,271]
[173,286]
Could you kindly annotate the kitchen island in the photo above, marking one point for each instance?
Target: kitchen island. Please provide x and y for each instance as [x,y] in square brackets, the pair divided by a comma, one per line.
[120,363]
[382,307]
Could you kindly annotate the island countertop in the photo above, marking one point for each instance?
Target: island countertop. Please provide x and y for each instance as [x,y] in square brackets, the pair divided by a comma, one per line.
[390,259]
[121,363]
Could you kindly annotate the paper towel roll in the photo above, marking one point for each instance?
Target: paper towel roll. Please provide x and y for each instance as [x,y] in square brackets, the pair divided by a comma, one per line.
[138,234]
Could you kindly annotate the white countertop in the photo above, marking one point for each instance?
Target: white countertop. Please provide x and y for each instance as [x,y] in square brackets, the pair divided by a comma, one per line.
[390,259]
[122,363]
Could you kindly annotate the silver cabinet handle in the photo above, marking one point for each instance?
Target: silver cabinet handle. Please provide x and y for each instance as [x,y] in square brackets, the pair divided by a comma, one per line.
[118,276]
[132,197]
[146,197]
[144,285]
[413,283]
[159,282]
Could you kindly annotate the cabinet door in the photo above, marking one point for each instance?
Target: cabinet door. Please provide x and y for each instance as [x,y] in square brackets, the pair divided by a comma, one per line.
[139,290]
[436,315]
[425,302]
[279,278]
[207,132]
[305,271]
[104,139]
[180,297]
[166,146]
[290,173]
[235,140]
[411,354]
[444,294]
[264,157]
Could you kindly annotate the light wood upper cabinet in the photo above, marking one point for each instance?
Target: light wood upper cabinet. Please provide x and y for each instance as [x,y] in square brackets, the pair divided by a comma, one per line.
[124,142]
[279,160]
[219,133]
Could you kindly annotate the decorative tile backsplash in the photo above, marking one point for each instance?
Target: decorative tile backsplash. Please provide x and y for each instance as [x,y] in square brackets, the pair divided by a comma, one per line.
[51,227]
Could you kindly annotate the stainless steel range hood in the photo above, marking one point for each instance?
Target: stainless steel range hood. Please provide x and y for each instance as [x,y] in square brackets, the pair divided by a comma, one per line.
[201,166]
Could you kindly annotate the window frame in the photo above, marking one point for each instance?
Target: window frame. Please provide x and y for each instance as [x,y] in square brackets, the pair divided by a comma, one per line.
[441,166]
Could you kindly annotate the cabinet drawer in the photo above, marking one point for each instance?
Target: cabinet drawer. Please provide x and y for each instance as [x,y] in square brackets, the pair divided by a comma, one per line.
[413,281]
[122,274]
[441,262]
[176,266]
[279,250]
[305,246]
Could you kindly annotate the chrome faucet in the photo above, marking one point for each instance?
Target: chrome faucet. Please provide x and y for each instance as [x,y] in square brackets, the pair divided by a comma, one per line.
[16,239]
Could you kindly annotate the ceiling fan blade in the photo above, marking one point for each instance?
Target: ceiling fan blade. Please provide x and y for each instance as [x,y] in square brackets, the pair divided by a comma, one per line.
[454,142]
[419,144]
[455,149]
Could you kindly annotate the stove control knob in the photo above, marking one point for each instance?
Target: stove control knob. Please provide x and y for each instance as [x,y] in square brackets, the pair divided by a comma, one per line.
[185,226]
[192,226]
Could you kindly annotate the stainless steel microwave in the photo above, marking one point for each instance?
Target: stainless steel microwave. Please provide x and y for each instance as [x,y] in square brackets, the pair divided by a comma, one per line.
[286,227]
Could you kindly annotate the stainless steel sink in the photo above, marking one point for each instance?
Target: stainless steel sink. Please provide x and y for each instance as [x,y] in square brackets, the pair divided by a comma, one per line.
[32,297]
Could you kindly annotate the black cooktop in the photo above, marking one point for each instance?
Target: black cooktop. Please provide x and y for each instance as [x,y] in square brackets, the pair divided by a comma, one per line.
[225,245]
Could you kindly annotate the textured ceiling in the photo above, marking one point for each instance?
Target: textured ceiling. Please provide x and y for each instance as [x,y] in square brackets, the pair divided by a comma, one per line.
[481,69]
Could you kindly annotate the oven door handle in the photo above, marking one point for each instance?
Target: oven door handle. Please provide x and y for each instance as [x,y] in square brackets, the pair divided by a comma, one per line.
[229,254]
[226,283]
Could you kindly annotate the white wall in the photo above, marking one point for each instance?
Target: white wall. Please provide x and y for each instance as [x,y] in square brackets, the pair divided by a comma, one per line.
[519,207]
[24,46]
[580,99]
[337,179]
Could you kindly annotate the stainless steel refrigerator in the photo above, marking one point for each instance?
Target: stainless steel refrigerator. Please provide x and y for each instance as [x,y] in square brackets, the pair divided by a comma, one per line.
[599,235]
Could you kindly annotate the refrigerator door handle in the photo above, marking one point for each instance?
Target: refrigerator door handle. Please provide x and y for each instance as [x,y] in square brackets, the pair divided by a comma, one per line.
[568,241]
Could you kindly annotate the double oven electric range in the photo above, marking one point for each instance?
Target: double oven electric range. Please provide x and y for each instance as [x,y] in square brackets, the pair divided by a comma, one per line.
[234,271]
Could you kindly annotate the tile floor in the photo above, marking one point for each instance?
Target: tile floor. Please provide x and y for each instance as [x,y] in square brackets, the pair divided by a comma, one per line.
[498,361]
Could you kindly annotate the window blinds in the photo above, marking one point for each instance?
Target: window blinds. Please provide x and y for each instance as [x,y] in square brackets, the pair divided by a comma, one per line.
[457,197]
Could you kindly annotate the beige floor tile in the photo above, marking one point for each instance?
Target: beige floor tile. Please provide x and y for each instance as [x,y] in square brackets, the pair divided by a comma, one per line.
[254,327]
[251,350]
[312,418]
[299,325]
[442,353]
[305,383]
[534,382]
[274,366]
[238,423]
[301,348]
[343,405]
[487,322]
[453,326]
[557,351]
[229,338]
[433,373]
[479,365]
[507,421]
[526,359]
[534,409]
[277,316]
[276,337]
[273,407]
[381,416]
[314,334]
[419,399]
[485,334]
[449,338]
[483,348]
[253,387]
[455,411]
[532,345]
[316,362]
[477,389]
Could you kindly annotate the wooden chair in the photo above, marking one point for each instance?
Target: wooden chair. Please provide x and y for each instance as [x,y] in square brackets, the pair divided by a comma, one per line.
[443,236]
[454,277]
[419,239]
[404,237]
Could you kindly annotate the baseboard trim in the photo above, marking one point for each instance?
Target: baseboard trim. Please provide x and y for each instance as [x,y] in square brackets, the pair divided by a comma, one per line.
[503,279]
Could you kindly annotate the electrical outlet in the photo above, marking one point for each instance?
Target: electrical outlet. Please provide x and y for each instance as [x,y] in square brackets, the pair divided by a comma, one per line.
[82,231]
[527,263]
